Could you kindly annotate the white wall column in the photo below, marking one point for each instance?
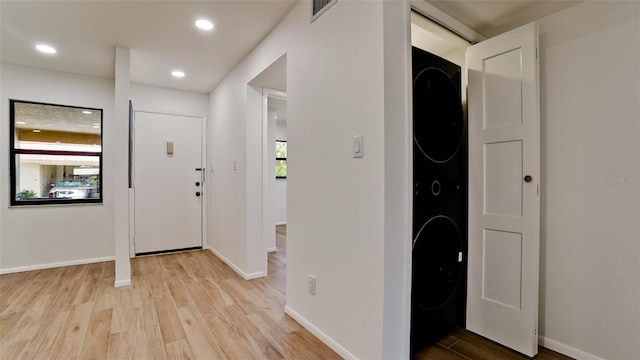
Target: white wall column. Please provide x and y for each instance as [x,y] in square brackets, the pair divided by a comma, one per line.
[397,179]
[121,161]
[256,260]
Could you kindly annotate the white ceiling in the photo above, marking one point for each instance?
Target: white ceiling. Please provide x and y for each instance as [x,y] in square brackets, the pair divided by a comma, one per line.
[490,18]
[162,36]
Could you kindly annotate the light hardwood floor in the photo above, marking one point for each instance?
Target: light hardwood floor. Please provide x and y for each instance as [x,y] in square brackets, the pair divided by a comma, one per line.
[180,306]
[465,345]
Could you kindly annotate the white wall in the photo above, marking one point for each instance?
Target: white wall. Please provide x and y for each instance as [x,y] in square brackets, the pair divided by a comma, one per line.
[37,235]
[43,235]
[169,101]
[336,215]
[398,180]
[280,194]
[121,224]
[590,131]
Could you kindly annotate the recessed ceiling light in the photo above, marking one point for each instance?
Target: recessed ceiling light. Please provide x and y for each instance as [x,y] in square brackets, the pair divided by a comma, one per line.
[204,24]
[36,131]
[20,122]
[86,112]
[45,49]
[96,126]
[177,73]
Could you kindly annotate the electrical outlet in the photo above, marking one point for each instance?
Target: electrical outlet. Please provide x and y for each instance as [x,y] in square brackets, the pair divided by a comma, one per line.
[312,285]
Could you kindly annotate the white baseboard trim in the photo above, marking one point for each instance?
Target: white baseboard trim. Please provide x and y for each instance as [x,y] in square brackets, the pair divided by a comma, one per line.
[121,283]
[566,349]
[319,334]
[272,249]
[253,275]
[56,265]
[281,223]
[244,275]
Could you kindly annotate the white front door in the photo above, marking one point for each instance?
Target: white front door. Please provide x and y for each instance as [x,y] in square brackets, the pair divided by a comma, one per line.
[168,182]
[502,295]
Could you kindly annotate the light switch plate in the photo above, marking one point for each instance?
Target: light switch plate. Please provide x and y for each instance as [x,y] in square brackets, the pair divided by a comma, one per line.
[358,146]
[169,147]
[312,285]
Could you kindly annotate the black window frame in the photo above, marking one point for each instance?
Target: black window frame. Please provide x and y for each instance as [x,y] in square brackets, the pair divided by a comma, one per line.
[283,159]
[13,153]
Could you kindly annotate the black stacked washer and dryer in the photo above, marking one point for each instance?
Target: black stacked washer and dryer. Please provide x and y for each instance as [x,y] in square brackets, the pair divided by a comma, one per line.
[438,294]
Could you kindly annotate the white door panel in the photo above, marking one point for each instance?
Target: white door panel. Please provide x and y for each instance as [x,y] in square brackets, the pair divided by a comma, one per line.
[502,294]
[502,178]
[168,214]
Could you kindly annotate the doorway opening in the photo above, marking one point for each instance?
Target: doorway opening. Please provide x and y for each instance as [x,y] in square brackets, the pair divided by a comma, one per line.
[275,185]
[501,82]
[267,122]
[439,246]
[275,113]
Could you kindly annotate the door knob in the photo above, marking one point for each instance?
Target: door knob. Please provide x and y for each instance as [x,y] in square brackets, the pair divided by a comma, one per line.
[528,178]
[197,193]
[197,183]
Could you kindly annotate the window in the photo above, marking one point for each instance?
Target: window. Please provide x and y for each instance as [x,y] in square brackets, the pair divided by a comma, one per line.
[56,154]
[281,159]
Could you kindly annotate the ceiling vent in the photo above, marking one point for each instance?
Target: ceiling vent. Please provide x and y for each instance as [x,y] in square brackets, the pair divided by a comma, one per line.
[318,7]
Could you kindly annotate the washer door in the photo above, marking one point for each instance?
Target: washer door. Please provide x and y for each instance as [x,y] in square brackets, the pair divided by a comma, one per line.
[438,123]
[437,262]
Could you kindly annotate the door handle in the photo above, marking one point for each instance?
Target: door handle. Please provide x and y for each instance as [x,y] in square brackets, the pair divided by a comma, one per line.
[528,178]
[197,183]
[197,193]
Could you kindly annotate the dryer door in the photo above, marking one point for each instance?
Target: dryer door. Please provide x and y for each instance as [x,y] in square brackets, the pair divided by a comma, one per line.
[437,263]
[438,133]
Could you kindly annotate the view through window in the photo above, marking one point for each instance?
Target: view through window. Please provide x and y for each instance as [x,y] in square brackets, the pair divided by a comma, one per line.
[281,159]
[56,154]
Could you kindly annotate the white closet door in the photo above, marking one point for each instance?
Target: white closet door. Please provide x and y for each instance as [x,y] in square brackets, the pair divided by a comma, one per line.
[502,297]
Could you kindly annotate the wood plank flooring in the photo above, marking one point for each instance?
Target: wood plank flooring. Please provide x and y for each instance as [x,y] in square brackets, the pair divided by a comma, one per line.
[465,345]
[180,306]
